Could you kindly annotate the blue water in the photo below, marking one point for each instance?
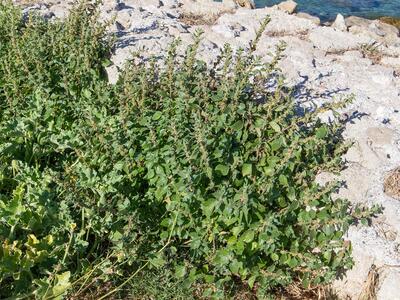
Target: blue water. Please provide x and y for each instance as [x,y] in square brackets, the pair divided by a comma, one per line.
[328,9]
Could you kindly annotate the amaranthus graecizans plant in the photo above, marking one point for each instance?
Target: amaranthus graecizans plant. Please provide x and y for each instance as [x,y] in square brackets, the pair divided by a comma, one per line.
[201,172]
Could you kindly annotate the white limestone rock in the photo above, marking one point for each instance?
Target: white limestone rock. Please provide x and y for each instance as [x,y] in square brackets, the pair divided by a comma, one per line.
[206,8]
[340,23]
[313,19]
[389,287]
[375,29]
[391,61]
[329,39]
[229,30]
[246,3]
[288,6]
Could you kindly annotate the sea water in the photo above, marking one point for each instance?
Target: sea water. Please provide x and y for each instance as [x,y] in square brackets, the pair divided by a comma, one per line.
[328,9]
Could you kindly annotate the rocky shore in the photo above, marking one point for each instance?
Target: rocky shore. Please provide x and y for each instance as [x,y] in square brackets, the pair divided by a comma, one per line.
[351,56]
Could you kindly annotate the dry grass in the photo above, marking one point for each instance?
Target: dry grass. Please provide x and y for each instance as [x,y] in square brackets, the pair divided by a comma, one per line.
[198,19]
[370,289]
[193,19]
[370,285]
[296,291]
[391,186]
[391,21]
[372,52]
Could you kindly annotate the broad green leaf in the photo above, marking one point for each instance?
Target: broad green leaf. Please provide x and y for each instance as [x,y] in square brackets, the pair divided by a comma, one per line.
[293,262]
[180,271]
[157,115]
[251,281]
[237,125]
[274,256]
[275,126]
[247,169]
[158,261]
[62,284]
[321,132]
[248,236]
[223,169]
[283,180]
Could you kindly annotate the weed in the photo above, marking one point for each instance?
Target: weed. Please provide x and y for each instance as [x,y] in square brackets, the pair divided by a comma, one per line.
[372,52]
[197,179]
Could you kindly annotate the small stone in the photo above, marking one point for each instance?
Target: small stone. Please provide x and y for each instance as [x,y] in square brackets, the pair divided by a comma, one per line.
[246,3]
[112,74]
[124,19]
[340,23]
[288,6]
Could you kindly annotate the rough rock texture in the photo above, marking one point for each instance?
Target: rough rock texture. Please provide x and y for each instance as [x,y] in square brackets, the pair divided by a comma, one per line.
[313,19]
[340,23]
[321,64]
[246,3]
[207,8]
[288,6]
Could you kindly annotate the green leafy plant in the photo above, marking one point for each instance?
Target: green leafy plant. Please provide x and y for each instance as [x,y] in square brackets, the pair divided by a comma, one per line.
[202,173]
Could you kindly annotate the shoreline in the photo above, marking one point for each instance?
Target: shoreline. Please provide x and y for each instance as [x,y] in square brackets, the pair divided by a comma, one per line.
[328,13]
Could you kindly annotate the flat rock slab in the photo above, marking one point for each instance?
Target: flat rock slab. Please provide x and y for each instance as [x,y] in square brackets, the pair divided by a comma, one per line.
[333,40]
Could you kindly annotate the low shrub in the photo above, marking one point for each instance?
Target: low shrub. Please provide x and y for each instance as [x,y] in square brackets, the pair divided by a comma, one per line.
[201,173]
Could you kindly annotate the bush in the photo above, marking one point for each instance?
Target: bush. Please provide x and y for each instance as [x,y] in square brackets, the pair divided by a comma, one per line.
[199,172]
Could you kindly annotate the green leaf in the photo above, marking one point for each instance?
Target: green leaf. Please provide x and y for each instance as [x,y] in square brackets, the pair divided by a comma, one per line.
[209,278]
[248,236]
[321,132]
[87,94]
[251,281]
[293,262]
[223,169]
[328,256]
[283,180]
[237,125]
[247,169]
[276,144]
[158,261]
[222,257]
[235,266]
[180,271]
[157,115]
[208,206]
[106,63]
[61,286]
[275,126]
[274,256]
